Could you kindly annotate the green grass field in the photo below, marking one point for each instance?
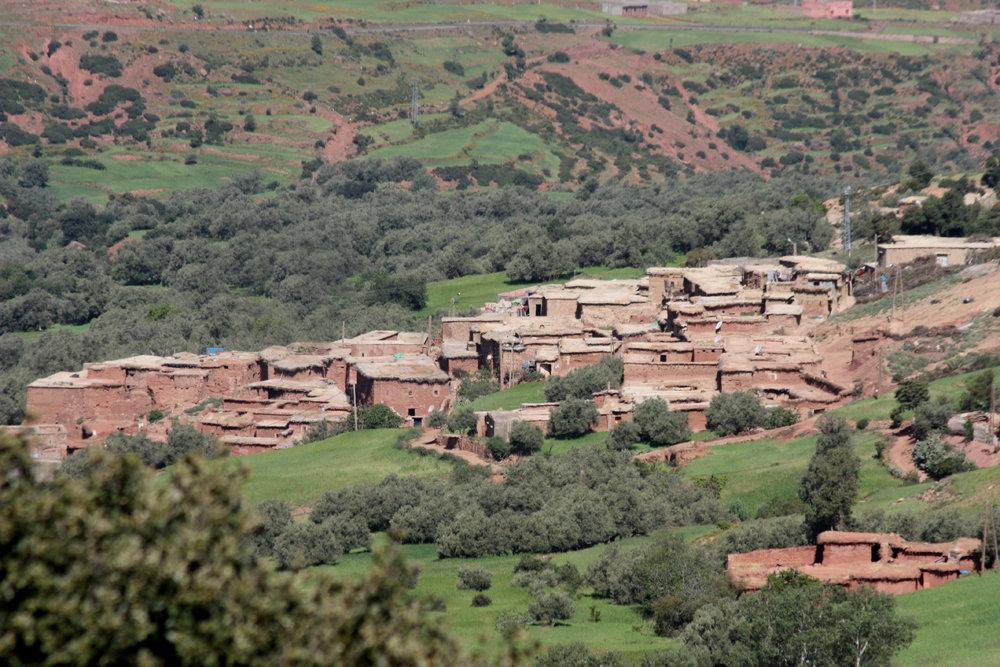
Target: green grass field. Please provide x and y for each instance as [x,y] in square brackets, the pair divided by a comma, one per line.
[660,40]
[301,474]
[511,399]
[957,624]
[489,142]
[622,628]
[475,290]
[768,470]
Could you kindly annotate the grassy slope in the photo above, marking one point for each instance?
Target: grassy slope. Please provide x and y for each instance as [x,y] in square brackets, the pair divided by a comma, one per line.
[621,628]
[301,474]
[957,624]
[510,399]
[475,290]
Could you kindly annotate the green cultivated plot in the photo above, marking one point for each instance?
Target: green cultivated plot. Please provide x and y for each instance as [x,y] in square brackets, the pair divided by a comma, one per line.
[957,624]
[660,40]
[511,399]
[622,628]
[489,142]
[475,290]
[301,474]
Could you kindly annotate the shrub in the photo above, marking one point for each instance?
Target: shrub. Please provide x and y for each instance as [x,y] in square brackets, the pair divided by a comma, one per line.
[478,385]
[861,424]
[463,420]
[623,436]
[551,606]
[437,419]
[658,425]
[305,545]
[474,577]
[274,517]
[481,600]
[572,418]
[498,447]
[453,67]
[731,413]
[938,458]
[510,623]
[525,439]
[109,36]
[98,64]
[780,417]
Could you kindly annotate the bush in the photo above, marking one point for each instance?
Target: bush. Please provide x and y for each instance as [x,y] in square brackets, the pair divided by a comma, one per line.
[551,606]
[780,417]
[572,418]
[478,385]
[525,439]
[623,436]
[475,578]
[453,67]
[658,425]
[305,545]
[498,447]
[437,419]
[463,420]
[938,458]
[861,424]
[98,64]
[583,382]
[481,600]
[732,413]
[510,623]
[274,517]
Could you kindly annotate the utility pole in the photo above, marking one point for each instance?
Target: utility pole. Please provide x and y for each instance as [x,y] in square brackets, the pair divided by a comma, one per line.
[415,103]
[845,232]
[993,409]
[354,392]
[428,335]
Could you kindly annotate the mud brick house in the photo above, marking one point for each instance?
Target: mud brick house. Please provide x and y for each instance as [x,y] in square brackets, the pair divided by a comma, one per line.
[884,561]
[458,358]
[945,251]
[411,385]
[48,441]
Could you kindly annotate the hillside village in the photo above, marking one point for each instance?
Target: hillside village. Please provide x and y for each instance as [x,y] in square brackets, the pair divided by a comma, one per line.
[242,243]
[684,335]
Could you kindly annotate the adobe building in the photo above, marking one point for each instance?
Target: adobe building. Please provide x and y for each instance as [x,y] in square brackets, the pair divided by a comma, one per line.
[826,9]
[640,9]
[945,251]
[413,386]
[884,561]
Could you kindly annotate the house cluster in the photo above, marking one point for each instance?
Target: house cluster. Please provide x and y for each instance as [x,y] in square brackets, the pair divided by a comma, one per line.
[252,401]
[684,335]
[883,561]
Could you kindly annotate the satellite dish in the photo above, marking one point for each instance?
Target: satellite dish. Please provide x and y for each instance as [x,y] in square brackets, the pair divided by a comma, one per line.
[757,349]
[718,325]
[489,357]
[430,409]
[718,338]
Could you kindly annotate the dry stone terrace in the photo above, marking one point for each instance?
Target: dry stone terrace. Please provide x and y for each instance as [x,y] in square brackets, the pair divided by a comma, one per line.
[684,334]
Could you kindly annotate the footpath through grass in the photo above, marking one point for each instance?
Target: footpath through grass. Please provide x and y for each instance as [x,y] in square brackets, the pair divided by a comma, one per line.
[301,474]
